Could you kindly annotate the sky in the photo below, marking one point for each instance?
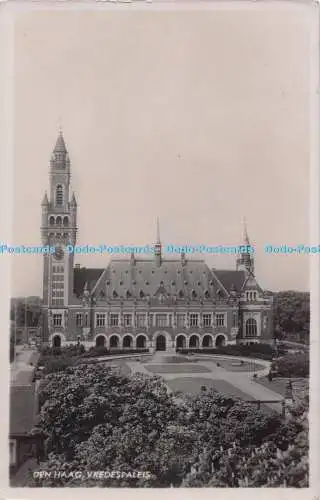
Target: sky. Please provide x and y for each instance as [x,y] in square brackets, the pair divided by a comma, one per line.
[200,118]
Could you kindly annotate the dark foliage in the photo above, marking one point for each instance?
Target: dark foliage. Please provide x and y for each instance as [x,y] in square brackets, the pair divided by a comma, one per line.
[292,314]
[96,419]
[292,365]
[262,351]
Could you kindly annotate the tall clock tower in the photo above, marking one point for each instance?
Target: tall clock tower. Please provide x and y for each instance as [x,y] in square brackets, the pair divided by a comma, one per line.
[59,229]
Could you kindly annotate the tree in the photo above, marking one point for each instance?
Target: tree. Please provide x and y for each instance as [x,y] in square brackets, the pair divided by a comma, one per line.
[292,313]
[96,419]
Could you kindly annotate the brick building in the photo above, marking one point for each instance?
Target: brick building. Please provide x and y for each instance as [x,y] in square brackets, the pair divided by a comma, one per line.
[155,303]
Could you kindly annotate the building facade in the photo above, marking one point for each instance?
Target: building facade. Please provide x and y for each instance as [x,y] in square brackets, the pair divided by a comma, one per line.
[139,303]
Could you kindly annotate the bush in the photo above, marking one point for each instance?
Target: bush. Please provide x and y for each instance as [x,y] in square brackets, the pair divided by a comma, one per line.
[95,352]
[296,365]
[70,350]
[262,351]
[95,419]
[58,364]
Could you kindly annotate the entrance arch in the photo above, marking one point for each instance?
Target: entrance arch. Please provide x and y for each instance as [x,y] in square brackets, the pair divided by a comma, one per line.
[207,341]
[56,341]
[220,340]
[114,342]
[100,341]
[194,342]
[141,342]
[160,343]
[181,341]
[127,342]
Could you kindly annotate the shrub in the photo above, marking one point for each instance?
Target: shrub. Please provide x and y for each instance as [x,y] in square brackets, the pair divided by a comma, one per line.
[262,351]
[296,365]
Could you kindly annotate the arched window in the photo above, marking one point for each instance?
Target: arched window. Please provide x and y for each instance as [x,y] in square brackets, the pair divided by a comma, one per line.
[58,221]
[180,294]
[51,221]
[207,294]
[65,221]
[251,327]
[194,294]
[59,195]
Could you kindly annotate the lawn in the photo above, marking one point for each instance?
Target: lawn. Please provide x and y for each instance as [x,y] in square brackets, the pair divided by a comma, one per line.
[279,384]
[178,368]
[232,365]
[193,386]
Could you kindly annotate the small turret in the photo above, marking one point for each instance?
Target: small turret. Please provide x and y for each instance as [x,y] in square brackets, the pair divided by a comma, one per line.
[45,201]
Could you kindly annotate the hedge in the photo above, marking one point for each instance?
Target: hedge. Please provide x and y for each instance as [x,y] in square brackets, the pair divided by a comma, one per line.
[262,351]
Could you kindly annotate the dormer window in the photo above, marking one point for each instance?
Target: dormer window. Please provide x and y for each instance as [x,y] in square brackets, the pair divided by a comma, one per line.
[207,294]
[194,294]
[114,294]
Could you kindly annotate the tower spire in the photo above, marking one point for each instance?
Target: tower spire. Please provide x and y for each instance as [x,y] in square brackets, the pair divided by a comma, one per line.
[245,260]
[245,232]
[158,246]
[158,230]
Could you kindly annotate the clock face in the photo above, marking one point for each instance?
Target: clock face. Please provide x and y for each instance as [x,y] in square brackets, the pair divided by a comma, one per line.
[58,254]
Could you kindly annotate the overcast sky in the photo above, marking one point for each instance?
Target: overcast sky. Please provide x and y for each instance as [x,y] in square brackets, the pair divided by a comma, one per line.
[200,118]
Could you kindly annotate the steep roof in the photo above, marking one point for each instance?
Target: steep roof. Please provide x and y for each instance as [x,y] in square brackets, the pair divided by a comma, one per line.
[22,409]
[85,275]
[231,277]
[60,146]
[139,278]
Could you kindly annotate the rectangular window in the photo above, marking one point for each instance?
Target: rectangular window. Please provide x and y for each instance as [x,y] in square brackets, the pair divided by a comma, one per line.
[78,319]
[161,320]
[57,320]
[13,451]
[170,320]
[220,319]
[127,319]
[207,320]
[57,302]
[100,319]
[234,320]
[181,320]
[151,319]
[114,319]
[193,319]
[141,320]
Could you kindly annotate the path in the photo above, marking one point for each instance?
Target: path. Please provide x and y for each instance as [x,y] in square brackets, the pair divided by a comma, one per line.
[22,364]
[240,380]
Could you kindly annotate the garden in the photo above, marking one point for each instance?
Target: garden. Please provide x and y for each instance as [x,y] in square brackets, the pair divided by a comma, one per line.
[93,418]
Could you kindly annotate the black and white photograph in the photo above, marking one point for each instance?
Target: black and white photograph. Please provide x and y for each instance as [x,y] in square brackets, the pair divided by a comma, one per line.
[160,249]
